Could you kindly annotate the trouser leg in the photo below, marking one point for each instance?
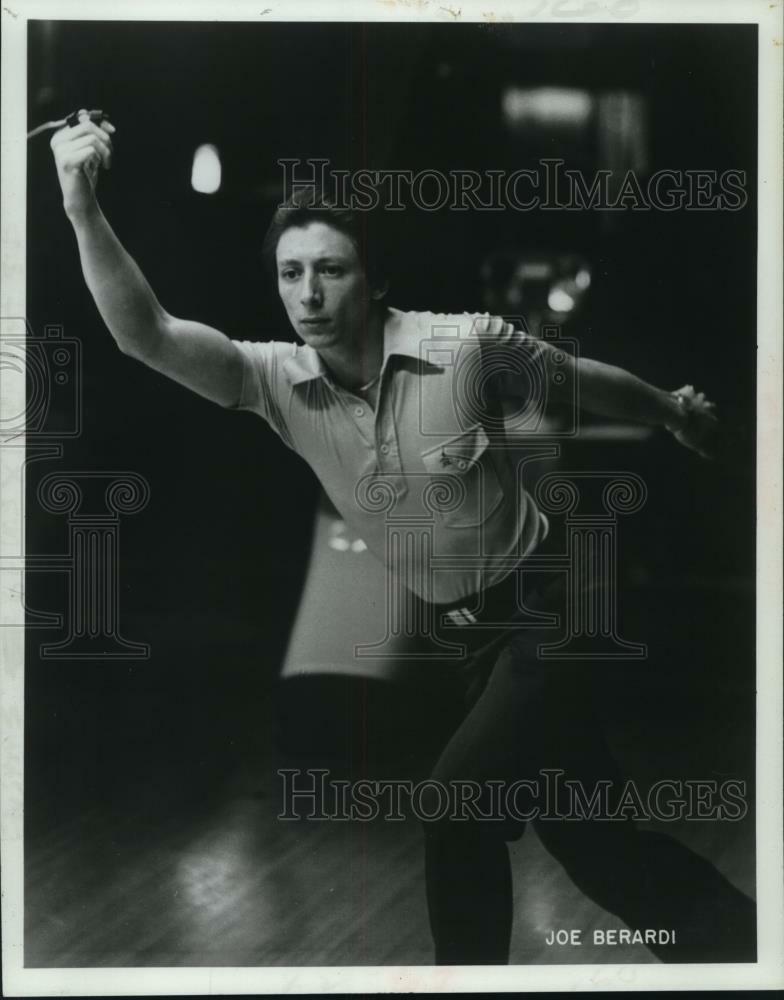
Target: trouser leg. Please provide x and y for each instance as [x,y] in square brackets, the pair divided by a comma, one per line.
[468,873]
[534,717]
[469,894]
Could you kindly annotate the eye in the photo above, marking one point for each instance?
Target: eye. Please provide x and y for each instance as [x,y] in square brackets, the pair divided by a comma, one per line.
[332,270]
[289,274]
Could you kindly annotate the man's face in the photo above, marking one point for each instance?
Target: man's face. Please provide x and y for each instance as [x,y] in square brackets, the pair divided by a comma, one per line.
[322,285]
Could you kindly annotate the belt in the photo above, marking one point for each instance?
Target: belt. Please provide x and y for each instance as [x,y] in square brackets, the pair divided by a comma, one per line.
[498,604]
[494,604]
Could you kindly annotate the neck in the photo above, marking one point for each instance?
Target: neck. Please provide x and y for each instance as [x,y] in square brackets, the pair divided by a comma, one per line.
[354,365]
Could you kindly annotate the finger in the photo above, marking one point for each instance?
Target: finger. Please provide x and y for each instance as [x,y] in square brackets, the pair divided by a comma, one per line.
[64,135]
[85,127]
[101,138]
[94,145]
[103,143]
[82,157]
[107,126]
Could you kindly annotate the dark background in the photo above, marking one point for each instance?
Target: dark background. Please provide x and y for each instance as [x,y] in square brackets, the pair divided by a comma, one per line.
[211,570]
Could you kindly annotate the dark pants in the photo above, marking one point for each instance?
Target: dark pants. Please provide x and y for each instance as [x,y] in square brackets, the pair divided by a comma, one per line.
[533,715]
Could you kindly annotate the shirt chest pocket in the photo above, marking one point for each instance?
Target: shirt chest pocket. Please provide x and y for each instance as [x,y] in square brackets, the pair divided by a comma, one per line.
[463,487]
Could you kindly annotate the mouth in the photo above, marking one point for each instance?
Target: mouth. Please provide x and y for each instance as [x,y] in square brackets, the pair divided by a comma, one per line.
[315,321]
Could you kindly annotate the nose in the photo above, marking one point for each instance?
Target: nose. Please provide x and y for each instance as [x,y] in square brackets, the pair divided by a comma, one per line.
[311,289]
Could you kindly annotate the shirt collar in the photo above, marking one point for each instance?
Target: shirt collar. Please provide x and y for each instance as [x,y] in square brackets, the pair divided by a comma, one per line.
[402,335]
[304,364]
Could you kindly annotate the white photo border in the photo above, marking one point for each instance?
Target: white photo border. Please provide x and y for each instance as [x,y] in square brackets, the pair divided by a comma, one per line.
[768,971]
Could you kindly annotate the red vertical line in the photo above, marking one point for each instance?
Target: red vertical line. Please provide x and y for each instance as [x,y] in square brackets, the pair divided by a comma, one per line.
[364,102]
[77,581]
[94,583]
[111,582]
[363,714]
[364,86]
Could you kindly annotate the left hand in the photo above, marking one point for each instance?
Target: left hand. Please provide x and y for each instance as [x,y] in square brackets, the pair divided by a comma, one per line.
[700,428]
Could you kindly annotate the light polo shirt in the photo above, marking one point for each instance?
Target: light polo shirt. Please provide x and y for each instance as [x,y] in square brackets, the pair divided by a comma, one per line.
[422,479]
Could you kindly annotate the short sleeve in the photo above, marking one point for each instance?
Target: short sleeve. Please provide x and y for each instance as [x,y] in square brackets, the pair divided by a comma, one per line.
[263,382]
[511,357]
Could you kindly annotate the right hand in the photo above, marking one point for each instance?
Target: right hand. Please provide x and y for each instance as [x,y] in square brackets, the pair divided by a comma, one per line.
[79,152]
[699,432]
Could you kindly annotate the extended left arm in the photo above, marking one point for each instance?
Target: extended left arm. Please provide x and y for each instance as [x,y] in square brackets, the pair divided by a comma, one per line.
[601,388]
[614,392]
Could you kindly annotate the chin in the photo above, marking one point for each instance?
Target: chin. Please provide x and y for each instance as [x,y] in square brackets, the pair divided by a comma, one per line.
[319,338]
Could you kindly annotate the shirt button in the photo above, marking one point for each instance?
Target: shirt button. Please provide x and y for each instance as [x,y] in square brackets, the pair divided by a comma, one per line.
[384,449]
[358,411]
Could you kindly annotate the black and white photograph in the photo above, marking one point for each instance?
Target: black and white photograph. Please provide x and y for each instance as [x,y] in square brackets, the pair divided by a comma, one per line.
[391,514]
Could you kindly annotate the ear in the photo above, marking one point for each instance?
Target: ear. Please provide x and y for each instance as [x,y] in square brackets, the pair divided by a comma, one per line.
[380,290]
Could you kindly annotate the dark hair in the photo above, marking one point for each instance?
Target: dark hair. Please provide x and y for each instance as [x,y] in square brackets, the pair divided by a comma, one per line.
[364,229]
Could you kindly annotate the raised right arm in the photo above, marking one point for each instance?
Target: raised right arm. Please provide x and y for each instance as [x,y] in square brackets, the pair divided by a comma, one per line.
[195,355]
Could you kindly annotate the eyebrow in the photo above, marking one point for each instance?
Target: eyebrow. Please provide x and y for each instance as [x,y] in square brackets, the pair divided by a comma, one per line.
[318,260]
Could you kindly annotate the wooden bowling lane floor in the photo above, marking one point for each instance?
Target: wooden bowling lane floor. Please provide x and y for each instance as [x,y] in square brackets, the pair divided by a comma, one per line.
[243,888]
[237,886]
[170,853]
